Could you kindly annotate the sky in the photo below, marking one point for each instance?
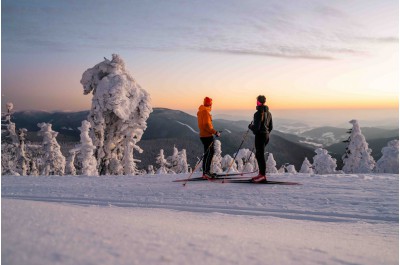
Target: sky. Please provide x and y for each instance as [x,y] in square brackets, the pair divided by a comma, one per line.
[307,54]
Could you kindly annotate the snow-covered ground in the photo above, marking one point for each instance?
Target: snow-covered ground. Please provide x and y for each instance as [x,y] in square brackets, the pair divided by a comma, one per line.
[330,219]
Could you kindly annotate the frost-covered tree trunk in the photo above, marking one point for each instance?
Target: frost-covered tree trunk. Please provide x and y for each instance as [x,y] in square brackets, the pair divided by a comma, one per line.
[216,166]
[54,161]
[271,164]
[323,162]
[306,167]
[389,162]
[357,158]
[120,108]
[86,154]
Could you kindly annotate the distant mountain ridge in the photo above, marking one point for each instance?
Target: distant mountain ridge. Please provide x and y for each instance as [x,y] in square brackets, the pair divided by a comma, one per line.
[166,128]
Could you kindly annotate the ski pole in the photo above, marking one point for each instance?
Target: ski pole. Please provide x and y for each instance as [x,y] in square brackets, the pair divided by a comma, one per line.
[198,164]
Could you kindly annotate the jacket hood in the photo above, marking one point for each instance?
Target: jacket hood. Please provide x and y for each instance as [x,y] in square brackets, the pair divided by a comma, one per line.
[261,108]
[202,107]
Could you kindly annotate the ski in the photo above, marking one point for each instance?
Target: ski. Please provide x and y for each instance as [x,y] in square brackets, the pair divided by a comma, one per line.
[217,177]
[270,182]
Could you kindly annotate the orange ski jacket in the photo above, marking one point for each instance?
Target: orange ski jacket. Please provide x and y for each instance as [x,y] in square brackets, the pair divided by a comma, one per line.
[204,122]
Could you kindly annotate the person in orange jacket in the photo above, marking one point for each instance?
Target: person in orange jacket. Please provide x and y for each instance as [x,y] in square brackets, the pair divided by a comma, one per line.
[207,133]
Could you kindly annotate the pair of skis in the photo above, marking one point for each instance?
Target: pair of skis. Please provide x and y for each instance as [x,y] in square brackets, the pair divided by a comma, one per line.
[235,178]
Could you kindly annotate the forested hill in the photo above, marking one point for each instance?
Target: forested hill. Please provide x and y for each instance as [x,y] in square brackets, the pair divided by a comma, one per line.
[167,128]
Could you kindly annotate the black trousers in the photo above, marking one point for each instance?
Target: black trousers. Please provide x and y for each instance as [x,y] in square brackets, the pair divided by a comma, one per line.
[208,144]
[261,140]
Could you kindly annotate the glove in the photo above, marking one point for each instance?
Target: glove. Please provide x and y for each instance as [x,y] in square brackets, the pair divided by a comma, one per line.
[218,134]
[250,126]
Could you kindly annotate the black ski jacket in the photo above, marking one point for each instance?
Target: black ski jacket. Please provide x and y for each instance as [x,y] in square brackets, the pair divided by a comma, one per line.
[262,121]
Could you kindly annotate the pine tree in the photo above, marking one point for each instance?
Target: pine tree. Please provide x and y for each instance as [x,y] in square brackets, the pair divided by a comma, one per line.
[271,164]
[86,151]
[357,158]
[291,169]
[70,164]
[389,162]
[323,162]
[162,162]
[54,161]
[120,109]
[306,167]
[182,166]
[216,163]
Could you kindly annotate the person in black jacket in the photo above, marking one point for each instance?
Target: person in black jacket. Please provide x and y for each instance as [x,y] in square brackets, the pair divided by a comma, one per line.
[261,127]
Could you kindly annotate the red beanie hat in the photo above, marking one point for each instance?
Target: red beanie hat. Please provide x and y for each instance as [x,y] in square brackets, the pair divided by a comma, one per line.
[207,101]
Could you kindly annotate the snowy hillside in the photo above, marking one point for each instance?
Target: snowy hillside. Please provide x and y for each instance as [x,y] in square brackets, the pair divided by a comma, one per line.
[329,219]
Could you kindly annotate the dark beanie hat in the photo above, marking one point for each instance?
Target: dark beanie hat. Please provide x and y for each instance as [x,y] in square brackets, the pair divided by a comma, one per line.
[261,99]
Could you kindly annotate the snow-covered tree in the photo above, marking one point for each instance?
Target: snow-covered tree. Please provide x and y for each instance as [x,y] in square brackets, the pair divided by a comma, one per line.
[229,165]
[173,160]
[54,161]
[86,151]
[70,164]
[389,162]
[120,108]
[323,162]
[150,170]
[182,166]
[282,169]
[357,158]
[33,169]
[291,169]
[306,167]
[242,159]
[22,160]
[216,166]
[271,164]
[162,162]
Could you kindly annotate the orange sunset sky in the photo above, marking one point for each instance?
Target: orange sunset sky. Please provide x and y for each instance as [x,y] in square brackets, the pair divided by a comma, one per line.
[300,55]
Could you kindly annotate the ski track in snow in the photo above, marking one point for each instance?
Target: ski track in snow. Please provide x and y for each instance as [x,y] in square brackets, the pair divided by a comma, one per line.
[184,124]
[331,198]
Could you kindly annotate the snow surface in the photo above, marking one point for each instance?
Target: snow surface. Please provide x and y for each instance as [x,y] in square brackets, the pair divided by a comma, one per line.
[330,219]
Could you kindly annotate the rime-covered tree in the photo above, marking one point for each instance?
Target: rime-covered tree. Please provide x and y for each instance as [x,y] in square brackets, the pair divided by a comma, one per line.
[120,108]
[150,170]
[243,160]
[323,162]
[173,160]
[291,169]
[271,164]
[216,166]
[389,162]
[86,151]
[54,161]
[162,163]
[357,158]
[9,143]
[22,160]
[70,164]
[306,167]
[182,166]
[229,165]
